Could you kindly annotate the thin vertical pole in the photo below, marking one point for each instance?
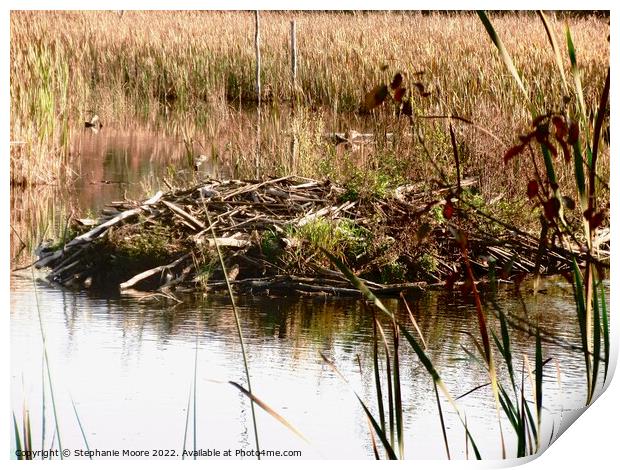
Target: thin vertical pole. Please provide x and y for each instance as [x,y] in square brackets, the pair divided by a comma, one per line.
[258,94]
[294,143]
[294,57]
[257,47]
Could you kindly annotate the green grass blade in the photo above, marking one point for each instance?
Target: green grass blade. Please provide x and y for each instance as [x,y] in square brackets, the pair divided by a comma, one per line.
[503,52]
[414,344]
[530,418]
[598,128]
[194,389]
[605,322]
[77,416]
[269,411]
[572,54]
[596,337]
[515,420]
[512,413]
[580,304]
[388,448]
[47,363]
[413,320]
[357,283]
[388,380]
[507,353]
[377,428]
[549,168]
[373,441]
[428,365]
[580,178]
[539,384]
[237,325]
[556,50]
[18,442]
[443,424]
[189,397]
[398,403]
[377,373]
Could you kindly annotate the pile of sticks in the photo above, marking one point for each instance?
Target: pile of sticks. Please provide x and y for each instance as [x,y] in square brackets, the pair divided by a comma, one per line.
[233,215]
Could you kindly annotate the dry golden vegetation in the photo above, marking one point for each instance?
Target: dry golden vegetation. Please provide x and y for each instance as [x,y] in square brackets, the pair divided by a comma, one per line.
[197,69]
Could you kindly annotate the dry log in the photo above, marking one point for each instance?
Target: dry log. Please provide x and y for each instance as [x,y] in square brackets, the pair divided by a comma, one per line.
[151,272]
[188,217]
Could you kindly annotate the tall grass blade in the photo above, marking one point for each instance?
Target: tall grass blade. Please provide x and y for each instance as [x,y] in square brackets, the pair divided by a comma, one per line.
[373,441]
[269,410]
[77,416]
[238,326]
[515,418]
[466,440]
[388,448]
[413,320]
[572,54]
[194,388]
[580,304]
[18,442]
[443,424]
[580,180]
[503,52]
[398,404]
[484,332]
[47,363]
[189,397]
[598,126]
[428,365]
[605,324]
[388,380]
[534,423]
[539,386]
[596,339]
[524,423]
[556,50]
[506,350]
[375,361]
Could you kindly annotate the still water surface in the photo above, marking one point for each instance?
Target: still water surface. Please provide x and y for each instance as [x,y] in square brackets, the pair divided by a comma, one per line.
[128,364]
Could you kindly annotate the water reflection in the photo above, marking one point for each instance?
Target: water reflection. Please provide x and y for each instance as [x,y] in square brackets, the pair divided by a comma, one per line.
[129,365]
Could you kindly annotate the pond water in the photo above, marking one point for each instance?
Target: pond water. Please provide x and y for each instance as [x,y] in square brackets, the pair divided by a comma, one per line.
[128,364]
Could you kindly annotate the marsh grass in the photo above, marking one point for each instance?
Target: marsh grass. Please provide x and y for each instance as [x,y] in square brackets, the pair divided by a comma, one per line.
[188,67]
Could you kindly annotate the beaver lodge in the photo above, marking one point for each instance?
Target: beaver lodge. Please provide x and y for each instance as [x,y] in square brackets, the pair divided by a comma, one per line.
[274,236]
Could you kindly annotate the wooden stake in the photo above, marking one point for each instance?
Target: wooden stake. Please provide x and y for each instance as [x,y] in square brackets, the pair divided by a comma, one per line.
[257,47]
[294,58]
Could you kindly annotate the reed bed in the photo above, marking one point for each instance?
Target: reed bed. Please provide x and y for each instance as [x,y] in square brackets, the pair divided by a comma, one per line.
[198,63]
